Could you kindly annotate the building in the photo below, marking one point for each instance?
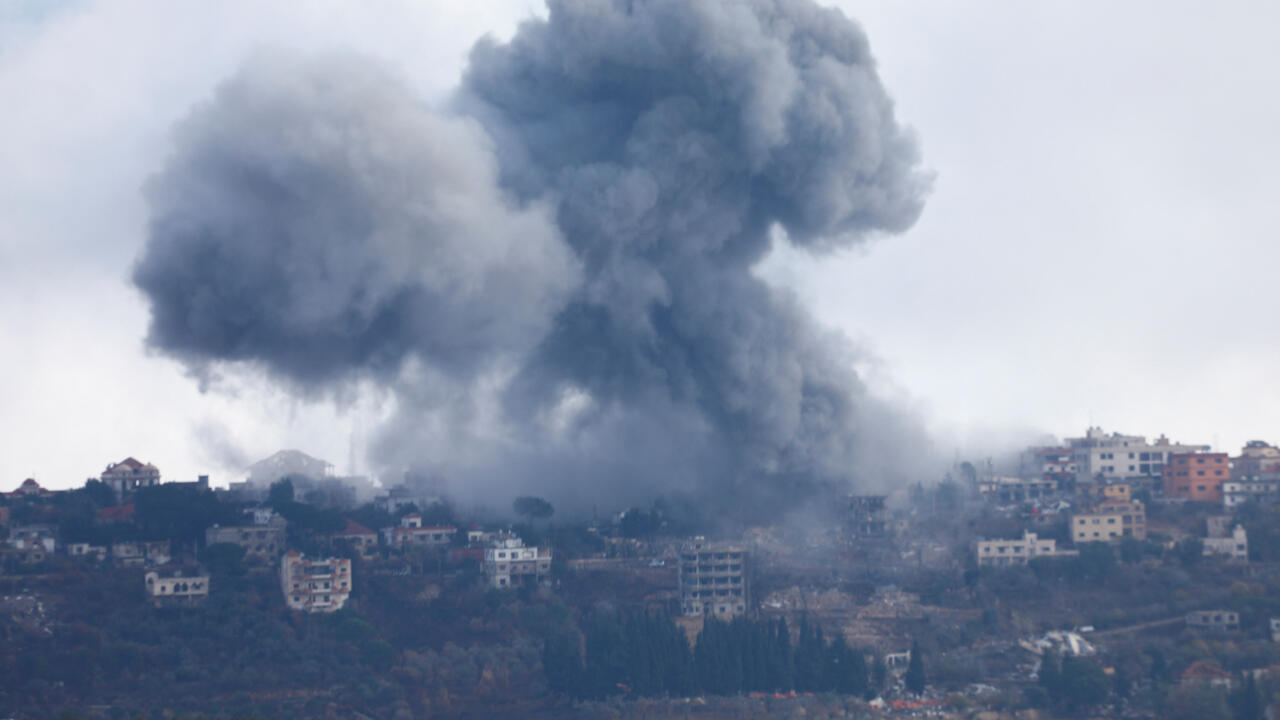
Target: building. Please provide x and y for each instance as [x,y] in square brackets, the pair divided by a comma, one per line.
[264,541]
[321,585]
[1100,457]
[86,550]
[176,587]
[359,537]
[412,532]
[508,563]
[1233,547]
[1015,490]
[33,543]
[403,497]
[1256,457]
[998,553]
[115,514]
[30,489]
[1205,674]
[1197,477]
[1098,492]
[128,475]
[1261,488]
[155,552]
[1110,521]
[713,579]
[1224,620]
[867,516]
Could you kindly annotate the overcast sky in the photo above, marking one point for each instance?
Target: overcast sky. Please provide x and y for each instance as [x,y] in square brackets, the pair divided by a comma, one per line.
[1098,247]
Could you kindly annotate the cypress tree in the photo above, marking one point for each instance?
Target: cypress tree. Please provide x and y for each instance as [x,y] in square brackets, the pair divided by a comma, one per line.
[915,678]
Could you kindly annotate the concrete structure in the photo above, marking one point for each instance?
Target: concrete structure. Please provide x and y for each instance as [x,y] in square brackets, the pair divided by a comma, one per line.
[1197,477]
[128,475]
[1098,492]
[154,552]
[1110,521]
[85,550]
[33,543]
[1049,463]
[1015,490]
[1100,457]
[403,497]
[262,541]
[321,585]
[713,579]
[508,563]
[1263,488]
[1205,674]
[1256,457]
[1235,547]
[1000,553]
[867,516]
[1224,620]
[412,532]
[165,587]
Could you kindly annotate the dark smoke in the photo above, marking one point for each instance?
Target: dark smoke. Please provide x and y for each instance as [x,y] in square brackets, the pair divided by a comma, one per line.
[556,279]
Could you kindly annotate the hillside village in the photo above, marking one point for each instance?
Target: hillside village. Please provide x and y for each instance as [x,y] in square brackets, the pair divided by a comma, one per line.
[1106,574]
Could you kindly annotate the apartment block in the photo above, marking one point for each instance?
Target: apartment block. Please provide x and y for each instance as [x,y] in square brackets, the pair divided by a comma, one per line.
[261,541]
[1110,521]
[713,578]
[319,585]
[1197,476]
[1100,457]
[1233,547]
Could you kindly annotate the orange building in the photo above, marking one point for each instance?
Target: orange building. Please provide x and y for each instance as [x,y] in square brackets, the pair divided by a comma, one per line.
[1196,476]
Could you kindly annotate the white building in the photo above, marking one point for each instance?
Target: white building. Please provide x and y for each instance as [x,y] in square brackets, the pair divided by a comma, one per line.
[128,475]
[1099,456]
[509,563]
[1235,547]
[321,585]
[176,586]
[1263,488]
[998,553]
[411,531]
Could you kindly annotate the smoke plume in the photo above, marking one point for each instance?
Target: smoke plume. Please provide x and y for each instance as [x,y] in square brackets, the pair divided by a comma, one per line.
[553,277]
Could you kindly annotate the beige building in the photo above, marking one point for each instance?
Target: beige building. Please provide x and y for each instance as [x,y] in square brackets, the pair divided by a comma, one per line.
[1110,521]
[713,578]
[162,587]
[321,585]
[128,475]
[997,553]
[262,540]
[508,563]
[1099,456]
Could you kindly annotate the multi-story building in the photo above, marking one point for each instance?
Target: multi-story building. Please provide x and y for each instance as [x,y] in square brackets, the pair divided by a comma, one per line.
[508,563]
[264,541]
[412,532]
[128,475]
[33,543]
[713,578]
[1263,489]
[1234,547]
[1196,476]
[867,516]
[1110,521]
[320,585]
[176,587]
[1100,457]
[1049,463]
[1016,490]
[1019,552]
[1256,457]
[1107,491]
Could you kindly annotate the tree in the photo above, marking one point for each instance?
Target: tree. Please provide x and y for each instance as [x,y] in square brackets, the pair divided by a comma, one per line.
[1247,703]
[1084,683]
[1190,551]
[1197,702]
[533,508]
[915,678]
[280,493]
[1051,675]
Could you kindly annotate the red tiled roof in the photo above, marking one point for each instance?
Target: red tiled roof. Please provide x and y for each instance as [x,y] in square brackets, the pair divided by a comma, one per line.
[1201,670]
[117,513]
[131,462]
[355,528]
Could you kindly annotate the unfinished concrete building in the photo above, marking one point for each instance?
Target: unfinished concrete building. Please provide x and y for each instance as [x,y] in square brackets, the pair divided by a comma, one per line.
[713,578]
[867,516]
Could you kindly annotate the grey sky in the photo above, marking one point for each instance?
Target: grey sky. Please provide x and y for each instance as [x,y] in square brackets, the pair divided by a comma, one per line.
[1096,246]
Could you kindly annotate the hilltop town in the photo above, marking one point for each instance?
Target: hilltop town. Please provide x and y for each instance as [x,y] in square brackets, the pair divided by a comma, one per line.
[1108,574]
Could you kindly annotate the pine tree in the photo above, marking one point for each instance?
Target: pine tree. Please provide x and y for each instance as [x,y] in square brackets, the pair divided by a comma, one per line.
[1051,675]
[915,678]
